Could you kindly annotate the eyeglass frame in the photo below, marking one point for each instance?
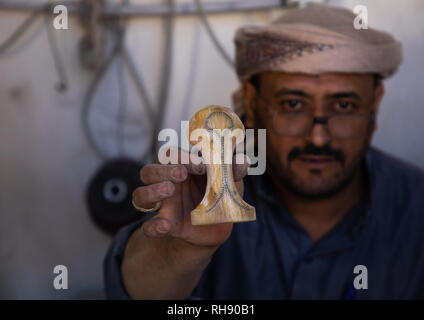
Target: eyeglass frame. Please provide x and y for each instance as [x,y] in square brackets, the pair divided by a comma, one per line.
[318,119]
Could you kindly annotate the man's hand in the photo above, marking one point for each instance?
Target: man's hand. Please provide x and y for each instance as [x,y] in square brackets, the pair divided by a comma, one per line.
[181,188]
[167,255]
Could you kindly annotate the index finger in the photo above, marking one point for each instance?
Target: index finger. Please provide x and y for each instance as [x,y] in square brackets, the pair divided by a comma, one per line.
[194,163]
[174,155]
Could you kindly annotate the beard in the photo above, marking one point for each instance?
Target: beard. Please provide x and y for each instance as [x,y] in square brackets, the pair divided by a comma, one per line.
[324,190]
[288,179]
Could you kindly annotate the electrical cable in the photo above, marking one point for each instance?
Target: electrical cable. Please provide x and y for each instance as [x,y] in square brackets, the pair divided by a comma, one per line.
[121,108]
[19,47]
[118,50]
[26,24]
[129,118]
[165,77]
[211,33]
[113,10]
[60,68]
[122,27]
[194,57]
[156,115]
[139,83]
[19,31]
[88,100]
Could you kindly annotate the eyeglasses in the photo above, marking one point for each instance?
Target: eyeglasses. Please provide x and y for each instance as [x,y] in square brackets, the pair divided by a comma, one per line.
[299,123]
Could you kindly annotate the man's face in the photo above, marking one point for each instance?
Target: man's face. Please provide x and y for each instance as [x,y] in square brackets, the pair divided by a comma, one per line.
[318,162]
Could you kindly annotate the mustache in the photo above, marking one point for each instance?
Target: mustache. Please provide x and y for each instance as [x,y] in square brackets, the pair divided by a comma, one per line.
[310,149]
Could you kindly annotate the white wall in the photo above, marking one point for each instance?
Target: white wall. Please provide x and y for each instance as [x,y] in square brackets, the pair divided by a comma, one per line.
[45,162]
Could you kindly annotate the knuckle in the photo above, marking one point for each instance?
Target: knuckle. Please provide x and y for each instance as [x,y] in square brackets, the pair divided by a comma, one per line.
[177,172]
[169,185]
[135,193]
[147,228]
[140,194]
[144,174]
[197,168]
[164,189]
[151,194]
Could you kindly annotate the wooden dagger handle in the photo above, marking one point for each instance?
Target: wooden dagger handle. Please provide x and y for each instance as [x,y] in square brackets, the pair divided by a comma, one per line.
[222,202]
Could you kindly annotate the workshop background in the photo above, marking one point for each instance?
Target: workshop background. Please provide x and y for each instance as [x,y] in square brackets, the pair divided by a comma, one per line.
[73,100]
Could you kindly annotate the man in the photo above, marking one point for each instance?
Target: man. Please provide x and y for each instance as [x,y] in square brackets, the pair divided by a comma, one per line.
[336,218]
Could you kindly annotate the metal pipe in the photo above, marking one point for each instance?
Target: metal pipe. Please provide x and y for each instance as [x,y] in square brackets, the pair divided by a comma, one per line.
[151,10]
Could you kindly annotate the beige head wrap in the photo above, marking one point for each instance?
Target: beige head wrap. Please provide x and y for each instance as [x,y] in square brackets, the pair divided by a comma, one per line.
[314,40]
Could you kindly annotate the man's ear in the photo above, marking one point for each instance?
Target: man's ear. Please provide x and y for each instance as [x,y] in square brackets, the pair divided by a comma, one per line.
[378,96]
[249,104]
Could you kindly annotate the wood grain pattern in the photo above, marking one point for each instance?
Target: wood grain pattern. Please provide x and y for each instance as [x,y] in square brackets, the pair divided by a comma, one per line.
[222,202]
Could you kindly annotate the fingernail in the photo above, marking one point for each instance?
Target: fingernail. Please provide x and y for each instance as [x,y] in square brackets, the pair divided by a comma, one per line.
[248,160]
[161,229]
[199,169]
[239,158]
[176,173]
[163,189]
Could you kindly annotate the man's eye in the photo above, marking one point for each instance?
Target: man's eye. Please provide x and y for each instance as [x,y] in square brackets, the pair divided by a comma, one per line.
[291,105]
[345,106]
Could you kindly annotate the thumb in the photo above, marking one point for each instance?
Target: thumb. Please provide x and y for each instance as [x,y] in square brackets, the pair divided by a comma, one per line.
[156,227]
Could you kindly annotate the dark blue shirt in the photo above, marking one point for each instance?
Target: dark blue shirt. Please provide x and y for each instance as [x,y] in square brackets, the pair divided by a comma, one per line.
[274,258]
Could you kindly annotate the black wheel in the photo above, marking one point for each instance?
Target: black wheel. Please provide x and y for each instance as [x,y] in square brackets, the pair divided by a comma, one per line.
[109,194]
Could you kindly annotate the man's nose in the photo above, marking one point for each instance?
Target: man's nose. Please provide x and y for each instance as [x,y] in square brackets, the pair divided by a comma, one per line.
[319,135]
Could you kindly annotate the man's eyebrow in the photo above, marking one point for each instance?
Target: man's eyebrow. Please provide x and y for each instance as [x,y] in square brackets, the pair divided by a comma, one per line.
[347,94]
[284,92]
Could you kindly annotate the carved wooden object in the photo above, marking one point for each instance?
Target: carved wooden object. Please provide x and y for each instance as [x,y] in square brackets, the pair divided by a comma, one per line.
[222,202]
